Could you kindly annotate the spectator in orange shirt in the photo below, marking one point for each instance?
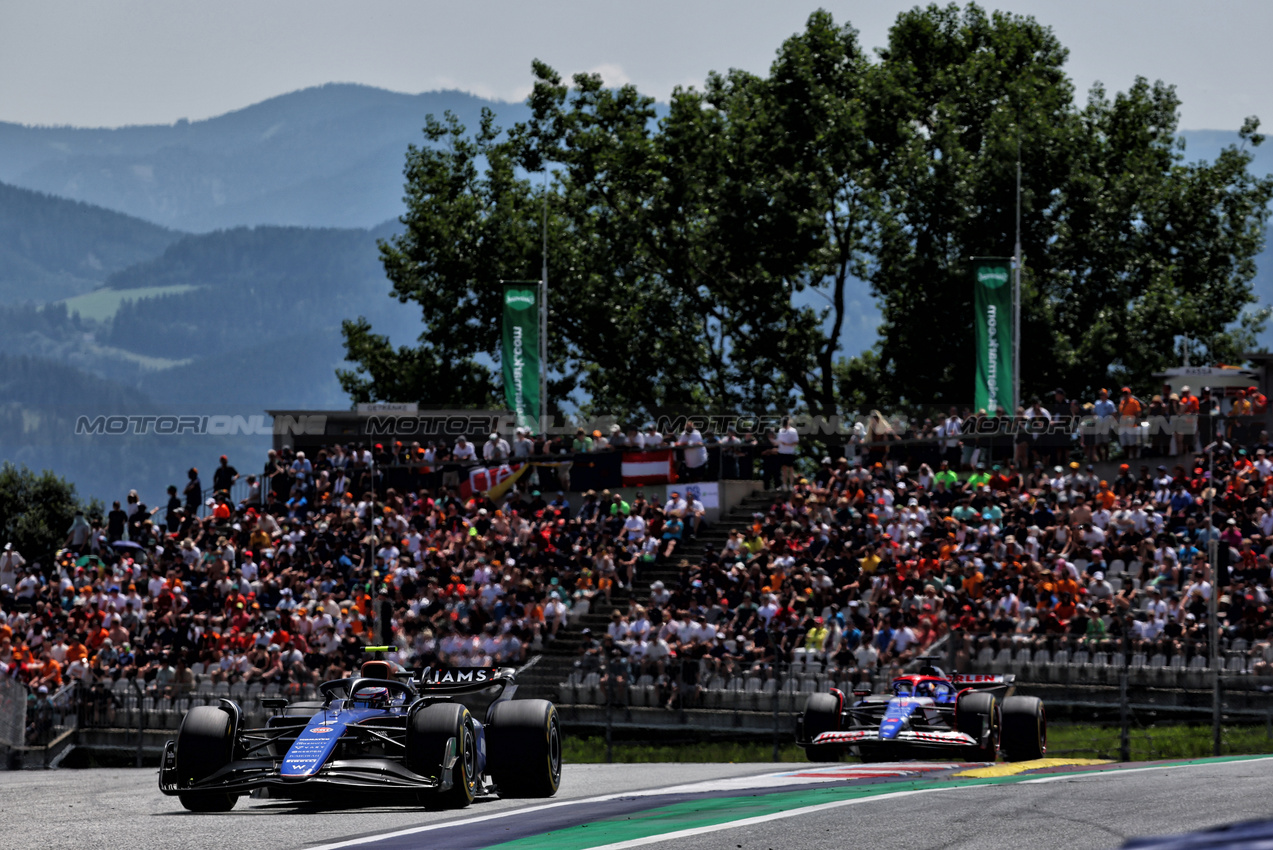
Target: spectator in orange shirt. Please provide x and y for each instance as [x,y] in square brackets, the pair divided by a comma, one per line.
[1067,585]
[75,650]
[1105,496]
[49,672]
[1188,401]
[96,635]
[973,582]
[1259,403]
[1129,411]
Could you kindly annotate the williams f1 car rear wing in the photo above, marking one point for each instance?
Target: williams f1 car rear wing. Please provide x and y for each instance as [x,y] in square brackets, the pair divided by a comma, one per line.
[465,680]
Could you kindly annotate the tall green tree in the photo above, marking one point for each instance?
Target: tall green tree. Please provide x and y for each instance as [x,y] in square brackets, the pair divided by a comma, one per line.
[36,510]
[702,255]
[1126,246]
[1170,242]
[744,196]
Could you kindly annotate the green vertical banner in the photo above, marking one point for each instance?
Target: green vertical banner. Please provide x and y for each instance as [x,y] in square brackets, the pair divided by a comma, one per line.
[520,354]
[992,303]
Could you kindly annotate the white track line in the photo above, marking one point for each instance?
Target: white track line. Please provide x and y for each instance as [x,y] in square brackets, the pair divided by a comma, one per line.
[782,779]
[703,830]
[697,787]
[358,842]
[1119,771]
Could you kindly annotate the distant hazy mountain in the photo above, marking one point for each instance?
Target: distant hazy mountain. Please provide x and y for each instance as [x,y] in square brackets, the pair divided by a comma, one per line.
[40,402]
[251,286]
[322,157]
[224,323]
[52,248]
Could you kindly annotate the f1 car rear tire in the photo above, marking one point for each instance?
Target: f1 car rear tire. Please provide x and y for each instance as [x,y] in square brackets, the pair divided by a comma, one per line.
[523,747]
[975,714]
[1025,729]
[427,735]
[205,744]
[822,714]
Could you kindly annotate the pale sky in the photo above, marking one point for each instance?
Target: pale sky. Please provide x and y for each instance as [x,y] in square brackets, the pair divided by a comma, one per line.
[108,63]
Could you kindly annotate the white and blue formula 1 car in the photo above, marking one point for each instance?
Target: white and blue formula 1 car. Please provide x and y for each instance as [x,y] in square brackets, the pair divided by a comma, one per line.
[382,731]
[927,715]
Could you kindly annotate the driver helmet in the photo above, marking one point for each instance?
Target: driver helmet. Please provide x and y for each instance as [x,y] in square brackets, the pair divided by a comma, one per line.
[373,697]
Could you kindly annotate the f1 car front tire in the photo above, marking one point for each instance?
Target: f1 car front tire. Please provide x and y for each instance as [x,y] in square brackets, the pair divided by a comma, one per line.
[1025,729]
[205,744]
[978,714]
[430,729]
[821,714]
[523,747]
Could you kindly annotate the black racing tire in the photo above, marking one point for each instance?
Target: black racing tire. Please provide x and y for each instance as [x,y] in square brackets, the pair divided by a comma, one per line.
[1025,729]
[523,747]
[822,714]
[427,734]
[973,712]
[205,744]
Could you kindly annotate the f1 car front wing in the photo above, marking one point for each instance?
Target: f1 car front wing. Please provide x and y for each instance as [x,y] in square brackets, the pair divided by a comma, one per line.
[871,736]
[365,774]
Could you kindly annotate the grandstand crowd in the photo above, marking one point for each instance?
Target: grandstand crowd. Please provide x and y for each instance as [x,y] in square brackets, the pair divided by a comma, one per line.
[863,559]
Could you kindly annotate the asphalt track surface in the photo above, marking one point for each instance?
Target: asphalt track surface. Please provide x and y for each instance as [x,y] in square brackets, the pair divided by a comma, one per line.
[772,807]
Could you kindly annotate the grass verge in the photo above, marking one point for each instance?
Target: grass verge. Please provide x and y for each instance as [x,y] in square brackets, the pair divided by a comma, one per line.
[1151,743]
[593,751]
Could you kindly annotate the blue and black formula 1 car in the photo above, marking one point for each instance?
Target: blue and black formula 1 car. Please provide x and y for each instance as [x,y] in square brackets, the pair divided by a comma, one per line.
[926,715]
[384,730]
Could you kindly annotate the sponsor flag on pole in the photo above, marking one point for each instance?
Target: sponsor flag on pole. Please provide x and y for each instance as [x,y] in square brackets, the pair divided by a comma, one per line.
[652,467]
[520,353]
[992,305]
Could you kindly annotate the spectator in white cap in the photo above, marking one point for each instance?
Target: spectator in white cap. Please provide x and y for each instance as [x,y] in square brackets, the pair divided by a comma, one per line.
[495,449]
[523,445]
[1099,590]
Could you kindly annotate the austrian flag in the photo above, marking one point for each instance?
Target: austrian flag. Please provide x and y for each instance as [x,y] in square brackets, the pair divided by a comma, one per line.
[652,467]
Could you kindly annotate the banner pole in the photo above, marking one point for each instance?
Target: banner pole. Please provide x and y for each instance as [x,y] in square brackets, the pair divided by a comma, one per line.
[1016,295]
[543,320]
